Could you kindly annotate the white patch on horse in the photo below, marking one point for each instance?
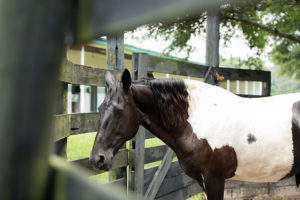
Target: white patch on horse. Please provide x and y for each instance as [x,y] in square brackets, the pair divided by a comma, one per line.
[223,118]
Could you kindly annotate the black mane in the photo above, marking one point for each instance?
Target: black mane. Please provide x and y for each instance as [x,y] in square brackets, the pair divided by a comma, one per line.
[171,100]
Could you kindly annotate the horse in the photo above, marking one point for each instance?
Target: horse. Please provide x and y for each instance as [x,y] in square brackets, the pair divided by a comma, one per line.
[215,134]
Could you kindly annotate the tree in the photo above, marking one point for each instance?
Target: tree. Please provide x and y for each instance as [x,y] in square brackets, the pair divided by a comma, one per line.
[266,22]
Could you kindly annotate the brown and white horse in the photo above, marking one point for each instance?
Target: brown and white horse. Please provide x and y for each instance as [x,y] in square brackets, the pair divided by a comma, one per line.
[215,134]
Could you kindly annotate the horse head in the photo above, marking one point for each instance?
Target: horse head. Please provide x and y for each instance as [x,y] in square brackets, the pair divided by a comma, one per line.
[119,120]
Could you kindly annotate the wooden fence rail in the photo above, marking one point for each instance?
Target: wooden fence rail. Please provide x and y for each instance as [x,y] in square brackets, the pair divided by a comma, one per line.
[66,125]
[164,65]
[85,75]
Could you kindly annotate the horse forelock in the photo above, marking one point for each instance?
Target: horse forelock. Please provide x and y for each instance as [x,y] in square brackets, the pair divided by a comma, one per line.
[171,101]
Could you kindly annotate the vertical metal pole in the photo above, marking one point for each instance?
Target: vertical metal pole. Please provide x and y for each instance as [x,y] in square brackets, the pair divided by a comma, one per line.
[115,60]
[137,145]
[212,41]
[31,50]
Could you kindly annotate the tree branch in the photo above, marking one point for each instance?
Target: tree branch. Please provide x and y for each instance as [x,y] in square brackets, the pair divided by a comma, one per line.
[268,29]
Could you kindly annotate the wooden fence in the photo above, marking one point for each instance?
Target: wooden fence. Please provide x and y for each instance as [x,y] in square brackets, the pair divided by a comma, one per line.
[25,171]
[166,181]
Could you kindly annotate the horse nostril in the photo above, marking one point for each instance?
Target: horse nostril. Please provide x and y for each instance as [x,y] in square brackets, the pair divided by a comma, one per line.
[101,159]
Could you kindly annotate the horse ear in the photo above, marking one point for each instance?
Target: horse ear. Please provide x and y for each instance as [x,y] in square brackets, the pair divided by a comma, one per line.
[126,80]
[109,79]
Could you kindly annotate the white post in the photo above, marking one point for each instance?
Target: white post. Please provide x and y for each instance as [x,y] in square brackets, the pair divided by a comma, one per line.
[228,85]
[246,87]
[237,87]
[82,87]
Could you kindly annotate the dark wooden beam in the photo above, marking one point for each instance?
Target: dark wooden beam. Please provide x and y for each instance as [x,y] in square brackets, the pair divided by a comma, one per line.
[31,38]
[84,75]
[104,17]
[164,65]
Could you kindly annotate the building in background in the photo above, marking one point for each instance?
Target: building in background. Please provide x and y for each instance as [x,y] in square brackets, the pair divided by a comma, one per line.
[94,54]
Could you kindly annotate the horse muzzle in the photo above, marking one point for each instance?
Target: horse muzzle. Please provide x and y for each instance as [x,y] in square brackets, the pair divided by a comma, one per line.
[101,162]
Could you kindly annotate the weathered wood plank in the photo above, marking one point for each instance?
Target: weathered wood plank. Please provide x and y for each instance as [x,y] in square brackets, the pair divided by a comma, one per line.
[174,170]
[159,175]
[72,124]
[174,183]
[117,182]
[149,135]
[137,145]
[244,74]
[88,48]
[84,122]
[155,153]
[120,160]
[247,190]
[164,65]
[182,193]
[115,60]
[212,43]
[61,127]
[62,108]
[174,179]
[84,75]
[115,51]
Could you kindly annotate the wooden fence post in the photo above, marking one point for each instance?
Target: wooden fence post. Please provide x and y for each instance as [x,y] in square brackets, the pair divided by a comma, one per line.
[61,108]
[94,98]
[137,145]
[212,41]
[115,60]
[30,55]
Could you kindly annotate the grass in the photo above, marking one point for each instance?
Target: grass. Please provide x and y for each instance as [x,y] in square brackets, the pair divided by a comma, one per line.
[80,146]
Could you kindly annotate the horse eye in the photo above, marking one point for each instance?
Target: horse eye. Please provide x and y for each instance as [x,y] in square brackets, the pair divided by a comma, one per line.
[117,111]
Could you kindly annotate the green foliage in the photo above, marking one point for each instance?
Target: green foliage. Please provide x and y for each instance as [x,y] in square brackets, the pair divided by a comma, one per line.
[276,15]
[251,63]
[179,32]
[283,84]
[287,56]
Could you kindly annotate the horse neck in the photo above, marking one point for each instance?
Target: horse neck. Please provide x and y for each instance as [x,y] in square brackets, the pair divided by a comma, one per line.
[176,138]
[163,120]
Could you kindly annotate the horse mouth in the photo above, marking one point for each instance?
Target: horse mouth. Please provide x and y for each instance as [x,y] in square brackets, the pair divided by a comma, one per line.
[100,166]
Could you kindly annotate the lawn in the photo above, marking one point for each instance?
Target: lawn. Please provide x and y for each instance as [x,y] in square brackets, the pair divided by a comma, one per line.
[80,146]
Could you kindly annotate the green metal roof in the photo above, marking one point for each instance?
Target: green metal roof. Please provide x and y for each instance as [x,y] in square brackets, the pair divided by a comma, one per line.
[153,53]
